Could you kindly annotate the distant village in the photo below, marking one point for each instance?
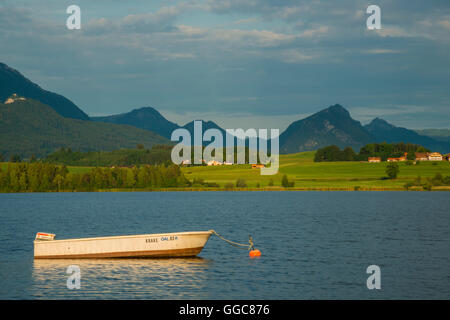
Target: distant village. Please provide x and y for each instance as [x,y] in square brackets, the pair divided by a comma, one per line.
[218,163]
[419,156]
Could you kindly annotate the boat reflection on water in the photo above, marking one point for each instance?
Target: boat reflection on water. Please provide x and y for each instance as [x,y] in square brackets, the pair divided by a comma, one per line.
[176,278]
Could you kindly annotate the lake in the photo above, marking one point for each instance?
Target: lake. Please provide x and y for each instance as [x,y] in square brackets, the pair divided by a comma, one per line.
[315,245]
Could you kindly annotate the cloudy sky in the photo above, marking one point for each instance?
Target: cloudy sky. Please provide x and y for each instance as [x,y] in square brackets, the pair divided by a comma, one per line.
[240,63]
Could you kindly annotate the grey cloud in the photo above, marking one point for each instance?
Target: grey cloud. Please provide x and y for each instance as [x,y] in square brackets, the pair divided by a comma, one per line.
[160,21]
[312,54]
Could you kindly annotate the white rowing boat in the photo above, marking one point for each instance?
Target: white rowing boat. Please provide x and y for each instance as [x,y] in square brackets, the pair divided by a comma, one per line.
[163,245]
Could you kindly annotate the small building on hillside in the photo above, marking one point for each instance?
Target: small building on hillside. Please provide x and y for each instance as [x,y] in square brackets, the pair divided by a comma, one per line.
[435,156]
[374,159]
[420,156]
[14,98]
[402,158]
[214,163]
[186,162]
[256,166]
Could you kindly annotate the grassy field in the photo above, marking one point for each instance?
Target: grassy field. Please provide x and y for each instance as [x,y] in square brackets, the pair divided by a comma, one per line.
[310,175]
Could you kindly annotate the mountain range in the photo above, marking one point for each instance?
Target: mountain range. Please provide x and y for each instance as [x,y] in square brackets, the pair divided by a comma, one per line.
[37,121]
[149,118]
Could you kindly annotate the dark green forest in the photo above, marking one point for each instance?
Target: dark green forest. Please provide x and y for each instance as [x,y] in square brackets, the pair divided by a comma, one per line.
[382,150]
[158,154]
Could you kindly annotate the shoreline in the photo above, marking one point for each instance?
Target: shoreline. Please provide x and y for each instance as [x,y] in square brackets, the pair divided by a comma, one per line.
[190,189]
[299,169]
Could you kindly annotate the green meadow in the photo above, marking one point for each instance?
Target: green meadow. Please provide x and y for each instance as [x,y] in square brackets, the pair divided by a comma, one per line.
[310,175]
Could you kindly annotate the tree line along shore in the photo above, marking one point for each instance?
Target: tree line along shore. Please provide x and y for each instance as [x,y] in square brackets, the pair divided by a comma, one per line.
[297,172]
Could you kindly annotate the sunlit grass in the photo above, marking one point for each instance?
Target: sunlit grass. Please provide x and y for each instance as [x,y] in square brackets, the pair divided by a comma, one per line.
[310,175]
[306,173]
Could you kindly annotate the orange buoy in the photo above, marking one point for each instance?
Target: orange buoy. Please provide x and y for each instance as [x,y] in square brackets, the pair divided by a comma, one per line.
[254,253]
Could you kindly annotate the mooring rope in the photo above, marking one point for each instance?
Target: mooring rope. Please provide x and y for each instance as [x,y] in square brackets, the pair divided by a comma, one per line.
[236,244]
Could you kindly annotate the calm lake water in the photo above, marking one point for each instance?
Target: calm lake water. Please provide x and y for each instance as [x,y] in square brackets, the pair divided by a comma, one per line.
[315,245]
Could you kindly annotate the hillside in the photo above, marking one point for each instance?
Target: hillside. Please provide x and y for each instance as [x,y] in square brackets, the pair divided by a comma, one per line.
[436,134]
[12,81]
[331,126]
[386,132]
[146,118]
[29,127]
[158,154]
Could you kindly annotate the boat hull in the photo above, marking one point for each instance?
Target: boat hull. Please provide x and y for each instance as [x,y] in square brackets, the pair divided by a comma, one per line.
[181,244]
